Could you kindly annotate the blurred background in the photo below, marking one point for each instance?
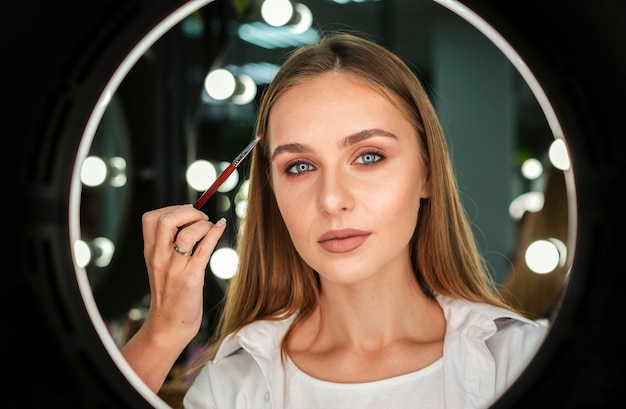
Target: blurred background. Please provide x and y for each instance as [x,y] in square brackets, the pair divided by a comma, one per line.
[188,106]
[74,285]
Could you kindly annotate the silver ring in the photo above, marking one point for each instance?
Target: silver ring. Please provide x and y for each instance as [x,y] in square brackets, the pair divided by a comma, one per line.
[181,251]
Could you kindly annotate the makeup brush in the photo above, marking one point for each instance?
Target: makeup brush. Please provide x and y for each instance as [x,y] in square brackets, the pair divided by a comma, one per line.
[226,173]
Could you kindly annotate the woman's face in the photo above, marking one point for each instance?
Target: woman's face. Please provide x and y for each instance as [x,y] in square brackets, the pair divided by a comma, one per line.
[347,175]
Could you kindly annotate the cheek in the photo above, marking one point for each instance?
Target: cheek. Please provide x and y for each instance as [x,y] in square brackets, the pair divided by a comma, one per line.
[401,202]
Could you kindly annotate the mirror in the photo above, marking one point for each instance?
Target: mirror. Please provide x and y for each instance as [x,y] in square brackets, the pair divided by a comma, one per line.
[159,119]
[70,63]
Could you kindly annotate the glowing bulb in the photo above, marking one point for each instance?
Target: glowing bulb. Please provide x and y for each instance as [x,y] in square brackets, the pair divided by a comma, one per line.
[135,314]
[304,19]
[241,199]
[246,90]
[104,251]
[277,12]
[93,172]
[220,84]
[117,165]
[82,253]
[224,262]
[244,189]
[200,175]
[544,256]
[532,169]
[527,202]
[241,208]
[558,154]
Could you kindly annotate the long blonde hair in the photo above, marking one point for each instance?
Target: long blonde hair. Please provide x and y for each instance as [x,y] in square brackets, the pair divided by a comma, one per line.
[272,279]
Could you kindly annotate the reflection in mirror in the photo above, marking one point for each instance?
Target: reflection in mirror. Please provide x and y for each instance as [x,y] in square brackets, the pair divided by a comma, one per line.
[105,194]
[188,106]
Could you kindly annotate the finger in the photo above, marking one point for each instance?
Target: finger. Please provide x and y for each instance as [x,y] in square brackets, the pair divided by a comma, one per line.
[196,268]
[206,246]
[160,227]
[149,222]
[193,267]
[187,237]
[168,227]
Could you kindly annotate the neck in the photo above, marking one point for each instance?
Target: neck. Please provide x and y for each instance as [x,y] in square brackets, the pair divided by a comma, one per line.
[370,315]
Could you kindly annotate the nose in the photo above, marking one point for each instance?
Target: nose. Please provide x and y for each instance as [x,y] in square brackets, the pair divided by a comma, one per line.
[335,194]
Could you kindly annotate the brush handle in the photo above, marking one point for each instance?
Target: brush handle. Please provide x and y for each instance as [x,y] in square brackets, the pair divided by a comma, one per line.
[213,188]
[226,173]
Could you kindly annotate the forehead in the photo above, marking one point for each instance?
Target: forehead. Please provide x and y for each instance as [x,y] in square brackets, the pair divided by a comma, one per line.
[337,81]
[333,101]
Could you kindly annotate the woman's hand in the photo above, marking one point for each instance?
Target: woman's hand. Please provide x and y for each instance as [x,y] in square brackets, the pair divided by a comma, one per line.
[176,278]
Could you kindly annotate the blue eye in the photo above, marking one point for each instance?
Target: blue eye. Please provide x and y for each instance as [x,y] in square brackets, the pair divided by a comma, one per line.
[299,168]
[368,158]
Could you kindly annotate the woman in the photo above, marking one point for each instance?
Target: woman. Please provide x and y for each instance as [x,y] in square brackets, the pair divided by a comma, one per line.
[359,283]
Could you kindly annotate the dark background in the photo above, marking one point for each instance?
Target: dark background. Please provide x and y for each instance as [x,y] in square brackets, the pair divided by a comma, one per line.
[55,57]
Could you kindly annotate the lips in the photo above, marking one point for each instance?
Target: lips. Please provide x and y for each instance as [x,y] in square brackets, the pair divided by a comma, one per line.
[343,241]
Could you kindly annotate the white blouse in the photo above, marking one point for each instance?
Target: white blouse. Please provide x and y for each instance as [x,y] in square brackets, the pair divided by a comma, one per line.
[484,351]
[420,389]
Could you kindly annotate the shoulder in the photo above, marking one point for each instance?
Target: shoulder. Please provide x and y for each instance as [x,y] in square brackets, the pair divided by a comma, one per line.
[220,384]
[486,348]
[483,320]
[516,340]
[245,365]
[513,346]
[259,338]
[511,339]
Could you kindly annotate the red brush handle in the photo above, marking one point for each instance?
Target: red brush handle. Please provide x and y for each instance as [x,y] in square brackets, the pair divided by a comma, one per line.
[225,174]
[213,188]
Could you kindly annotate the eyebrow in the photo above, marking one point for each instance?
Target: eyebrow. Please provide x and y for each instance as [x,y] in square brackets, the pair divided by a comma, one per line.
[347,141]
[363,135]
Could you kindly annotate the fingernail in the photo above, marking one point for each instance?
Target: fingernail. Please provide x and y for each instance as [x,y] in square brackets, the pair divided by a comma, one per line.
[221,222]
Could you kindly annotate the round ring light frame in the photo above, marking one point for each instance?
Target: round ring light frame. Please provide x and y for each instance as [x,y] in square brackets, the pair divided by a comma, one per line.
[561,366]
